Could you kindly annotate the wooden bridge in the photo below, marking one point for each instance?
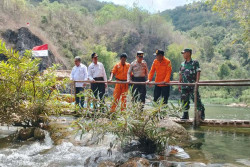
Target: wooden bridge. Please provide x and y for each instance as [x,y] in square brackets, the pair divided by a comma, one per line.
[216,122]
[196,121]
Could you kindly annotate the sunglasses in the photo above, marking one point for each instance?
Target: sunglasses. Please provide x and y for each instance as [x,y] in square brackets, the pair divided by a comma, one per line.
[140,56]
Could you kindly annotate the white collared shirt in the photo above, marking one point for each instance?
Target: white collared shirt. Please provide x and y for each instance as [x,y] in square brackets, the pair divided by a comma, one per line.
[96,70]
[79,74]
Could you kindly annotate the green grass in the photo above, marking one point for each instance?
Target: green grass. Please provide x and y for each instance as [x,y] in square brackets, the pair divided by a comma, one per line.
[220,100]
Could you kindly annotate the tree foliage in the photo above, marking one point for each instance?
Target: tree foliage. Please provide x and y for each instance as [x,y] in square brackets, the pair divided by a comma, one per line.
[238,9]
[174,55]
[78,27]
[224,71]
[106,57]
[27,97]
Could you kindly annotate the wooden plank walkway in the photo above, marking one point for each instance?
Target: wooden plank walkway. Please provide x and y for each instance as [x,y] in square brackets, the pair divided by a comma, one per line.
[216,122]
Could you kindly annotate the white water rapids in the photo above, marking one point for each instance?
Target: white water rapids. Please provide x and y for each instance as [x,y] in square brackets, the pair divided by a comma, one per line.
[43,154]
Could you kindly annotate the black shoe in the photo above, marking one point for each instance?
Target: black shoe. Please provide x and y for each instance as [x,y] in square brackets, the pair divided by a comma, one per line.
[185,115]
[202,115]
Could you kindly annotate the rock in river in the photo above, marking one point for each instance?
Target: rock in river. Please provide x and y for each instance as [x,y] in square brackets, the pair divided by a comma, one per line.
[39,134]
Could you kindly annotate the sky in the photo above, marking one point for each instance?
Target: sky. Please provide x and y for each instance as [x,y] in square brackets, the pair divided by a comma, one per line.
[151,5]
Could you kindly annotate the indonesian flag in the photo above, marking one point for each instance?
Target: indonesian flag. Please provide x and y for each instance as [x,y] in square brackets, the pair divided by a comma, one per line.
[40,51]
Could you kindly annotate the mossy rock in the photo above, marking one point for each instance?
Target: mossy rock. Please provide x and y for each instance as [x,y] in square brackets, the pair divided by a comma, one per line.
[136,162]
[176,132]
[107,164]
[39,134]
[25,134]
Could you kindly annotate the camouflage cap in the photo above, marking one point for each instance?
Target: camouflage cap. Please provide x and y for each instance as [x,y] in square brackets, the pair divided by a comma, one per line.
[186,50]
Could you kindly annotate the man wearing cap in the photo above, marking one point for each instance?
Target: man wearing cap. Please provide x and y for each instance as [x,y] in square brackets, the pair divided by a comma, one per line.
[190,73]
[139,69]
[163,68]
[96,72]
[120,71]
[79,73]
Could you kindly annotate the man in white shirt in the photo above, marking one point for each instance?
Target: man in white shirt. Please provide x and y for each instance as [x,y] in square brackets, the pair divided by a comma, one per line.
[79,73]
[96,72]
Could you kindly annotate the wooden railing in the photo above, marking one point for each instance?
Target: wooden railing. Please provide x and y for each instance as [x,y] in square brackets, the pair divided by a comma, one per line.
[196,121]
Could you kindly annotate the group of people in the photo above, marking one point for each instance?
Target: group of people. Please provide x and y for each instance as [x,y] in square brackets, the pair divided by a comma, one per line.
[137,71]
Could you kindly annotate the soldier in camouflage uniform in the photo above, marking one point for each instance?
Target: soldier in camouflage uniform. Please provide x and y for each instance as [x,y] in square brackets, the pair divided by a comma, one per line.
[189,72]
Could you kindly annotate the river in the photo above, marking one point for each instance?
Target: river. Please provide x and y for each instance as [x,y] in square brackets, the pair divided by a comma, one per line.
[216,147]
[224,112]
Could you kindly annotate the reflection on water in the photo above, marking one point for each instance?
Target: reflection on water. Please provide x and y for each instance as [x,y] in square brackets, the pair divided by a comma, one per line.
[224,112]
[221,147]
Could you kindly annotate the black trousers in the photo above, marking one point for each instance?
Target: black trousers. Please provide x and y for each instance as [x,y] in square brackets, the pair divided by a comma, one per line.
[162,91]
[98,88]
[139,91]
[79,99]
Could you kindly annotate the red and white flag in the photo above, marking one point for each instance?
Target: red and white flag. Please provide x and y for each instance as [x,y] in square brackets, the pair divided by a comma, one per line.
[40,51]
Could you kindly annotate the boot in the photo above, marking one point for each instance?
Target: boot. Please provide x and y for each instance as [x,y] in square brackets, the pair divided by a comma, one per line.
[202,115]
[185,115]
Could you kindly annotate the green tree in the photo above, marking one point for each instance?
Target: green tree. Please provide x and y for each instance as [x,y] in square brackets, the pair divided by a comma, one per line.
[174,55]
[26,95]
[237,9]
[106,57]
[111,12]
[224,71]
[207,48]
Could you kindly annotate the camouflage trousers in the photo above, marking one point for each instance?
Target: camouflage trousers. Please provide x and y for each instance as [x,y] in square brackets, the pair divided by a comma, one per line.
[188,93]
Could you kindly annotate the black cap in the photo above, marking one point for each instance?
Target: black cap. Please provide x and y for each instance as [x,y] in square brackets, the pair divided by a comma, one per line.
[159,52]
[124,55]
[94,55]
[186,50]
[140,52]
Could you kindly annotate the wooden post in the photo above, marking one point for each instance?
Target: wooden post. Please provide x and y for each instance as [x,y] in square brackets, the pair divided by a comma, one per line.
[74,90]
[196,112]
[71,91]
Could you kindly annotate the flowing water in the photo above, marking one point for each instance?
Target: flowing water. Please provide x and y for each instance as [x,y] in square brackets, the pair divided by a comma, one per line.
[215,147]
[33,154]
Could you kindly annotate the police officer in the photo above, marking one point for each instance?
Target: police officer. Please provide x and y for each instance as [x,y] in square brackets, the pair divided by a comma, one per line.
[190,73]
[96,72]
[139,69]
[120,71]
[163,68]
[79,73]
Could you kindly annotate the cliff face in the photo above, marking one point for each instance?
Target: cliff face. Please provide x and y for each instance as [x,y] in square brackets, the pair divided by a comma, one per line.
[23,39]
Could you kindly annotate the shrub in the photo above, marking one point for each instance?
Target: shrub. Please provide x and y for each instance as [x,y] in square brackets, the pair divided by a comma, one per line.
[128,124]
[27,96]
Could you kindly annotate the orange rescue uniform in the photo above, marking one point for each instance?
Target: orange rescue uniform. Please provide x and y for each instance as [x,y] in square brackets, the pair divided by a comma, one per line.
[120,71]
[163,71]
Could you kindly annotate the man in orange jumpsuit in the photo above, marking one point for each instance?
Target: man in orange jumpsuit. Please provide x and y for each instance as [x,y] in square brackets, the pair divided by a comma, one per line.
[120,71]
[163,68]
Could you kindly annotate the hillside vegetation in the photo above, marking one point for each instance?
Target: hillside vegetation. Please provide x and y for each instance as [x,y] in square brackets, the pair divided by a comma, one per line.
[224,51]
[79,27]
